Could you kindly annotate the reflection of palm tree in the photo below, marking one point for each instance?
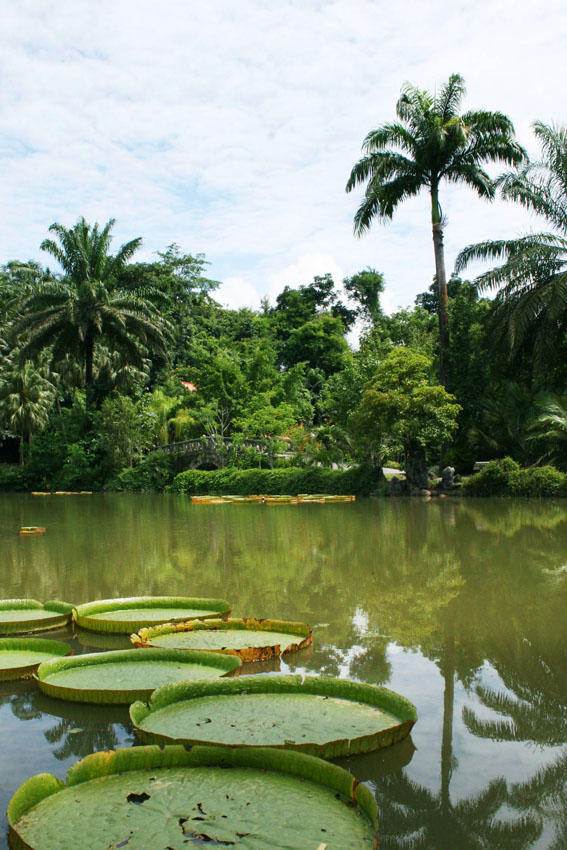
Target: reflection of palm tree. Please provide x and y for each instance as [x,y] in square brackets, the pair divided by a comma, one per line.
[412,818]
[546,792]
[536,709]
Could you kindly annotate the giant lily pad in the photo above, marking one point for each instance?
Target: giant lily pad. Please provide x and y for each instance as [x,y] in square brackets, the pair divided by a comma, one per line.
[127,675]
[20,657]
[146,798]
[252,640]
[125,616]
[18,616]
[319,715]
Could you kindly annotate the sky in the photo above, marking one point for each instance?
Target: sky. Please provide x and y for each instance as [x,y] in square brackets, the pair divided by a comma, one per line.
[230,126]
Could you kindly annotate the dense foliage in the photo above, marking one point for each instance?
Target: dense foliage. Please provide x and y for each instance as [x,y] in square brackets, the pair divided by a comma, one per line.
[277,481]
[106,359]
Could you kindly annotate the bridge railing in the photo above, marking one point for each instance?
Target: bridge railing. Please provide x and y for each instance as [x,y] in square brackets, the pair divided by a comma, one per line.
[214,445]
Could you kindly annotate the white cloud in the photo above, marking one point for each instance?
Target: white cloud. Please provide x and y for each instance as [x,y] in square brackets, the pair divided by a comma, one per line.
[235,292]
[231,128]
[303,271]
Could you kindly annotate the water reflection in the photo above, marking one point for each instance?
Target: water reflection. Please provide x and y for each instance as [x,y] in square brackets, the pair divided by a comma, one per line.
[458,604]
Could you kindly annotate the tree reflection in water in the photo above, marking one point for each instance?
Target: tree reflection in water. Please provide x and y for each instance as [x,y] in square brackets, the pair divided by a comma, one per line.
[80,729]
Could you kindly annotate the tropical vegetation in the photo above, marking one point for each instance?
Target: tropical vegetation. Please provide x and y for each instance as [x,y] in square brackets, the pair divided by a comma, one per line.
[123,374]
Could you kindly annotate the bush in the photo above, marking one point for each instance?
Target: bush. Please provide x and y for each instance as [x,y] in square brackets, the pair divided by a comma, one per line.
[12,478]
[505,478]
[360,481]
[153,473]
[540,481]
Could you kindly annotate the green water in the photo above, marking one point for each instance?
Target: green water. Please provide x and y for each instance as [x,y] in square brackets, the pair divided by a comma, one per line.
[458,605]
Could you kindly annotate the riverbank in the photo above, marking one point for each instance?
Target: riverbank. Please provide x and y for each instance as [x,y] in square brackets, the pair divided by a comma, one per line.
[155,474]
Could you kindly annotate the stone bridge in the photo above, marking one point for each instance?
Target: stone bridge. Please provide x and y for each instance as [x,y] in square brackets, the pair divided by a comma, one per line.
[212,452]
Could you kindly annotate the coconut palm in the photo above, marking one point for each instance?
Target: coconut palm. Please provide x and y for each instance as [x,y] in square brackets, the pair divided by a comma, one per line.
[531,304]
[431,143]
[26,398]
[82,309]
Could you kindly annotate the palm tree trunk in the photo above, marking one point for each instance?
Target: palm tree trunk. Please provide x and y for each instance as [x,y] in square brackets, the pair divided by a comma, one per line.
[89,358]
[443,298]
[89,377]
[447,736]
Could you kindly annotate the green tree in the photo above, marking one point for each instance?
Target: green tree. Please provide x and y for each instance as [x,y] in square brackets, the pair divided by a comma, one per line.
[319,343]
[125,429]
[531,302]
[401,406]
[26,398]
[84,308]
[365,288]
[431,143]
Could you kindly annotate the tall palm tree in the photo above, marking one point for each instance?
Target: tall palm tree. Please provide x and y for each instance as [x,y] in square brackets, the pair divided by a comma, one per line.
[431,143]
[531,304]
[26,397]
[72,315]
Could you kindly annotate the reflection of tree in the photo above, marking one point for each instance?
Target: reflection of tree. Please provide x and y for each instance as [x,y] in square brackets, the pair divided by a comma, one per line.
[412,818]
[533,708]
[532,665]
[24,706]
[80,742]
[546,794]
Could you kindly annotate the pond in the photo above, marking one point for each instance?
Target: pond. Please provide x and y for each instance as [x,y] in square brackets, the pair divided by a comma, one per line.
[457,604]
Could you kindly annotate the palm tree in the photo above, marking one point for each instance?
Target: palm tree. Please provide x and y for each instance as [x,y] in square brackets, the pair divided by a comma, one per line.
[531,304]
[431,143]
[26,397]
[72,315]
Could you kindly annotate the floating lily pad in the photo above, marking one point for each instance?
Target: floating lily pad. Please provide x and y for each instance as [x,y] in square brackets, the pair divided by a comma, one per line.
[20,657]
[147,798]
[18,616]
[319,715]
[252,640]
[127,675]
[128,615]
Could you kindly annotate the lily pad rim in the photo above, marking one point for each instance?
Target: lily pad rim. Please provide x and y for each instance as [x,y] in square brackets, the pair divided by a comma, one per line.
[23,604]
[144,603]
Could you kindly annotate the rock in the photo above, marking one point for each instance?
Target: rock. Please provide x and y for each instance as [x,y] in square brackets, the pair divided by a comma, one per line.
[397,487]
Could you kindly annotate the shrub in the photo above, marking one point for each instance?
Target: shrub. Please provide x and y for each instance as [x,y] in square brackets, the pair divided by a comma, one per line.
[12,478]
[540,481]
[243,482]
[153,473]
[505,478]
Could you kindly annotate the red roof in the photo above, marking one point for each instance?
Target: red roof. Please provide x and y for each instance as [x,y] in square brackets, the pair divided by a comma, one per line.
[189,386]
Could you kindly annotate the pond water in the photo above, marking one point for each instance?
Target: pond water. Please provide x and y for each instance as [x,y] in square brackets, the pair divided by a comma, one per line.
[459,605]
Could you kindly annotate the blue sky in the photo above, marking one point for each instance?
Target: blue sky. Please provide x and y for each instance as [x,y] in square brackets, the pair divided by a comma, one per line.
[231,127]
